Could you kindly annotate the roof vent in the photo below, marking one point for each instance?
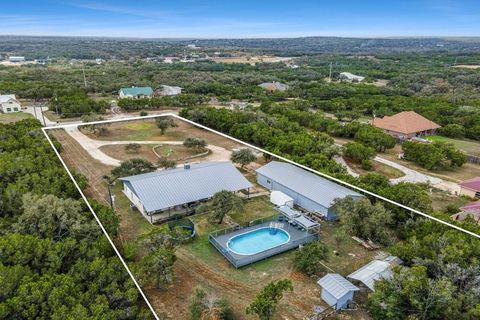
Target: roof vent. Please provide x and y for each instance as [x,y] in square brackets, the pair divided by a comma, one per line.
[186,165]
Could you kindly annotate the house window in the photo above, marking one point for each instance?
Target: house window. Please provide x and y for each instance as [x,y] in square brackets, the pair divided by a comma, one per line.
[15,109]
[9,109]
[268,181]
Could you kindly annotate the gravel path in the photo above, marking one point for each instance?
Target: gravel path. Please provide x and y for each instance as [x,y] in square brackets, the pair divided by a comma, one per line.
[93,147]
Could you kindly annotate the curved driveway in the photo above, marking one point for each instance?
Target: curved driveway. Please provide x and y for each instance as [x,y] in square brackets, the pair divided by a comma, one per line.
[93,147]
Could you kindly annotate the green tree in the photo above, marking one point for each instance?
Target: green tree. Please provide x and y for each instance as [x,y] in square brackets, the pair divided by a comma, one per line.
[452,130]
[360,218]
[266,300]
[221,204]
[195,143]
[357,152]
[133,147]
[243,157]
[374,137]
[165,163]
[164,123]
[51,217]
[411,294]
[132,167]
[310,257]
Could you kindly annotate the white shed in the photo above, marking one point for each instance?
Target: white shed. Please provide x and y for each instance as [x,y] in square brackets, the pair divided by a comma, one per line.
[336,290]
[279,199]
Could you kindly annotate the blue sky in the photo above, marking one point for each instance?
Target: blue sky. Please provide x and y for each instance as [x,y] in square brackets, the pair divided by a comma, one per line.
[241,18]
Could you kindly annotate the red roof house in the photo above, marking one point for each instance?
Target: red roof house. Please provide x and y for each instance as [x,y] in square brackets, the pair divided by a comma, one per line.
[471,187]
[406,124]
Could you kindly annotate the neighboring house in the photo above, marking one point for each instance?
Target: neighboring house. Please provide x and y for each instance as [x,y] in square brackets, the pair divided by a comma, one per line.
[273,86]
[308,190]
[375,270]
[470,187]
[135,92]
[406,125]
[337,291]
[470,210]
[16,59]
[9,103]
[165,90]
[180,188]
[350,77]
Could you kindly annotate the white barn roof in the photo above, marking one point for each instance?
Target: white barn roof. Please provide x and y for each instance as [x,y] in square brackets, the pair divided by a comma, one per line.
[6,97]
[373,271]
[164,189]
[336,285]
[310,185]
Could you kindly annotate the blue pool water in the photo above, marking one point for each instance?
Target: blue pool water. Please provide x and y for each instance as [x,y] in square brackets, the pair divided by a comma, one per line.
[258,240]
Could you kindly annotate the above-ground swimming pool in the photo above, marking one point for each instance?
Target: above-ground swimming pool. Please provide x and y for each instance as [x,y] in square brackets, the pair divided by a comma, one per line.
[258,240]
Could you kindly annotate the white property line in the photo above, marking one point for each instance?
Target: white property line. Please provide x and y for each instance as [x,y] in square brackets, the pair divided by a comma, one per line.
[238,141]
[100,224]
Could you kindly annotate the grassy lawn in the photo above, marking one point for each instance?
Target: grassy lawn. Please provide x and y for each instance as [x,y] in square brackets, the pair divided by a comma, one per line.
[467,171]
[441,200]
[351,255]
[469,146]
[132,223]
[14,117]
[385,170]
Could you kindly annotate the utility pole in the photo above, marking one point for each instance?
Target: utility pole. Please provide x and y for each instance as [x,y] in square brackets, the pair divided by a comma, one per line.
[56,104]
[43,117]
[84,78]
[330,74]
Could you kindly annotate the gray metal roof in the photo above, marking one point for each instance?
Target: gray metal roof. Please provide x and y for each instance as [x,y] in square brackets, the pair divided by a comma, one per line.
[168,188]
[336,285]
[310,185]
[373,271]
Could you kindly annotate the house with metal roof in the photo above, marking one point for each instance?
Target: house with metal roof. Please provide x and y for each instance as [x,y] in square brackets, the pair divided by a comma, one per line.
[8,103]
[470,187]
[135,92]
[176,190]
[337,291]
[375,270]
[308,190]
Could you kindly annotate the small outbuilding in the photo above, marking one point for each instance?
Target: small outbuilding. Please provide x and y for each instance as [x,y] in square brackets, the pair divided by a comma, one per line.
[351,77]
[308,190]
[273,86]
[337,291]
[375,270]
[165,90]
[8,103]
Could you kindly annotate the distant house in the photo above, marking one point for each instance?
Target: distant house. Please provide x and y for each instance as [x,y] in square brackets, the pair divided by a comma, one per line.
[471,210]
[406,125]
[375,270]
[135,92]
[165,90]
[337,291]
[273,86]
[16,59]
[351,77]
[176,190]
[470,187]
[9,103]
[308,190]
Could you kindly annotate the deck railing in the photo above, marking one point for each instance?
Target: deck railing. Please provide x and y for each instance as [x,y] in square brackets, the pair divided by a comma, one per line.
[240,261]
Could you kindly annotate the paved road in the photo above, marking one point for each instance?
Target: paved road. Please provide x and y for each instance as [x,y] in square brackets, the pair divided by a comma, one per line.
[93,147]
